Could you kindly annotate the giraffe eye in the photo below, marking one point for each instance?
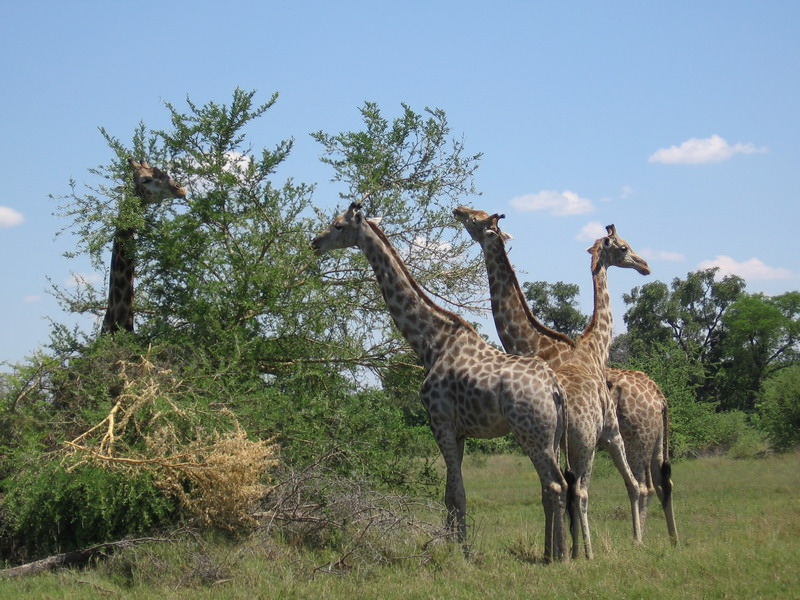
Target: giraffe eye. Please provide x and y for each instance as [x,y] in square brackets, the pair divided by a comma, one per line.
[338,227]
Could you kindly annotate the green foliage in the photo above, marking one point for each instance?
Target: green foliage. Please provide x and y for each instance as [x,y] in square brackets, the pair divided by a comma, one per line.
[401,381]
[555,305]
[779,407]
[696,428]
[738,339]
[237,323]
[408,172]
[312,416]
[761,335]
[50,508]
[689,313]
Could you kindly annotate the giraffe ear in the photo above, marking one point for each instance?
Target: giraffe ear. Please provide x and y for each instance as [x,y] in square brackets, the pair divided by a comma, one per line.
[505,236]
[375,220]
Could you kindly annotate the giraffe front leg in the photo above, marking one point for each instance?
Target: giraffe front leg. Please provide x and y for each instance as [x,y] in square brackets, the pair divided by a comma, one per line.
[451,445]
[583,510]
[455,498]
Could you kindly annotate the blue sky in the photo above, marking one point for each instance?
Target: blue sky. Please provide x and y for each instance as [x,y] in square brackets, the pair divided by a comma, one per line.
[677,121]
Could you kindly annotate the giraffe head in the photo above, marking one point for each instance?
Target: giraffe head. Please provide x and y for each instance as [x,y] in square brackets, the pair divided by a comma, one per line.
[479,223]
[613,251]
[152,184]
[342,233]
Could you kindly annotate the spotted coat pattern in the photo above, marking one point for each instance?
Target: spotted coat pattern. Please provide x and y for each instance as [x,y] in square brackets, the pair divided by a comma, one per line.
[151,185]
[640,405]
[471,389]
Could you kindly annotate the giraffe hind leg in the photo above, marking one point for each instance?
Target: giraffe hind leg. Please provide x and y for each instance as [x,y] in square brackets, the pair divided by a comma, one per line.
[554,492]
[617,450]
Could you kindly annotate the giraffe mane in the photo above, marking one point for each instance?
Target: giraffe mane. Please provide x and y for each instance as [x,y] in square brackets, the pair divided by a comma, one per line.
[453,317]
[532,320]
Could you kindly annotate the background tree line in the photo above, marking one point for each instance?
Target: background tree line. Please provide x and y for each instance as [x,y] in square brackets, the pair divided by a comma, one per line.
[246,342]
[714,348]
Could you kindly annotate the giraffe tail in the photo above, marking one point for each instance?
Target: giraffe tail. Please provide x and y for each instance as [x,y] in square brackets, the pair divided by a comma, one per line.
[569,476]
[571,496]
[666,482]
[666,467]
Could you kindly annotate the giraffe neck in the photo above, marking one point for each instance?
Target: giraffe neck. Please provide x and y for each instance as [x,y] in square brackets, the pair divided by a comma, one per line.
[425,326]
[119,313]
[519,330]
[594,344]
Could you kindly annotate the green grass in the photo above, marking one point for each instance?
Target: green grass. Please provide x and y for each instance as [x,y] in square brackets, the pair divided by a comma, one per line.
[739,522]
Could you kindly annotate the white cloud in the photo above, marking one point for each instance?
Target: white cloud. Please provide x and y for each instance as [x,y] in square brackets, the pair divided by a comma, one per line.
[10,217]
[32,299]
[666,255]
[559,204]
[428,246]
[79,279]
[751,269]
[696,151]
[626,191]
[236,161]
[591,232]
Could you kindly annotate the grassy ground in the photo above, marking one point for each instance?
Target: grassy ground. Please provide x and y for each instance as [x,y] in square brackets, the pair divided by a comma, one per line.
[739,522]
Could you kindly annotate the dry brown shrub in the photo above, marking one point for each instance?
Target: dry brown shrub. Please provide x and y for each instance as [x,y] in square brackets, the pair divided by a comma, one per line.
[218,477]
[318,508]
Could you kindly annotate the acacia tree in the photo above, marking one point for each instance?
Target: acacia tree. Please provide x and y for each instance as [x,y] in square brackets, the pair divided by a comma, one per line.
[409,173]
[226,279]
[231,263]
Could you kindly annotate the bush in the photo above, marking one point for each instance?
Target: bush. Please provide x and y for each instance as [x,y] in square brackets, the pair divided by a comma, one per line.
[158,451]
[697,429]
[49,508]
[779,408]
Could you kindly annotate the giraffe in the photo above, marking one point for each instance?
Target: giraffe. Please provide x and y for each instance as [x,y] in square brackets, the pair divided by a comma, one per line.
[641,406]
[151,185]
[471,389]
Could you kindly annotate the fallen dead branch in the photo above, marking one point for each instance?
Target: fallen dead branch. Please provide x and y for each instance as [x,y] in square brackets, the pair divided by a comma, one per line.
[76,558]
[207,462]
[317,507]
